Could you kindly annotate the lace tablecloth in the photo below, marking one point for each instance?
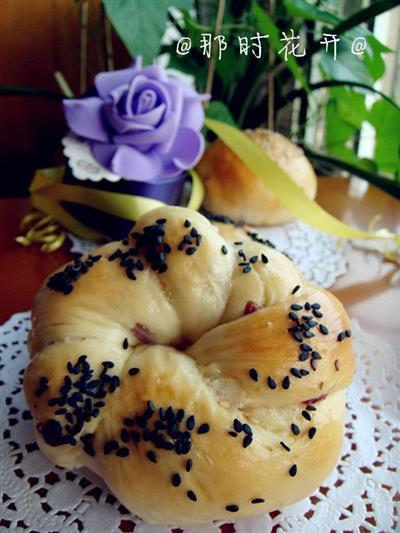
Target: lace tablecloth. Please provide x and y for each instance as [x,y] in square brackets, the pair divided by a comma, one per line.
[321,257]
[361,494]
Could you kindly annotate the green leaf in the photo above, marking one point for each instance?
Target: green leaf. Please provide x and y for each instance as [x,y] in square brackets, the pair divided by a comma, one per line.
[347,66]
[267,26]
[373,57]
[141,24]
[350,106]
[219,111]
[307,11]
[386,121]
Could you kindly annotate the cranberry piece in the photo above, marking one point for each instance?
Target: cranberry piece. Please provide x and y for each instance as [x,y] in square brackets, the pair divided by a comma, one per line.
[250,307]
[315,400]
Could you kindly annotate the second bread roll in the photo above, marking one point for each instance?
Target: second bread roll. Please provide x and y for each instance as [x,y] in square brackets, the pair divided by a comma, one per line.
[233,190]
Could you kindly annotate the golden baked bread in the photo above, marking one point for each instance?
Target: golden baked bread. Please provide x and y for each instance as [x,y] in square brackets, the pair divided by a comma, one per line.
[233,190]
[192,368]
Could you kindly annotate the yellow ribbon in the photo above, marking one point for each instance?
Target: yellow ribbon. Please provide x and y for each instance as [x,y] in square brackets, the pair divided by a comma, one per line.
[48,191]
[42,229]
[285,189]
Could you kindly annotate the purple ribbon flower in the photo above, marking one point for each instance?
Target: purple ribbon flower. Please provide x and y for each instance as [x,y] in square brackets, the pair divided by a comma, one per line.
[142,124]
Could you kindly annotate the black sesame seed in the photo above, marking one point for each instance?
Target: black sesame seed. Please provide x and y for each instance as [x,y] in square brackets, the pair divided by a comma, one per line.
[305,347]
[317,314]
[295,429]
[293,470]
[122,452]
[293,316]
[303,356]
[128,422]
[315,355]
[124,435]
[314,364]
[133,371]
[311,432]
[161,221]
[162,268]
[247,429]
[151,456]
[308,334]
[237,425]
[176,480]
[238,243]
[337,365]
[187,223]
[232,508]
[295,289]
[271,383]
[135,436]
[311,408]
[190,422]
[304,372]
[264,259]
[257,500]
[284,446]
[323,329]
[189,465]
[191,250]
[191,495]
[296,307]
[232,433]
[125,344]
[253,259]
[246,269]
[295,372]
[341,336]
[347,333]
[204,428]
[286,382]
[247,441]
[253,374]
[306,415]
[316,306]
[224,250]
[297,335]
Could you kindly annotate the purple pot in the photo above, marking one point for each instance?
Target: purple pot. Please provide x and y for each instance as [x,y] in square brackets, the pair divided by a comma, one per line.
[167,190]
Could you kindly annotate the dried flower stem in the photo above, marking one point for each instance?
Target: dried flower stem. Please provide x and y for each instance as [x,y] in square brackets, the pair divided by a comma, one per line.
[271,87]
[213,59]
[108,43]
[84,46]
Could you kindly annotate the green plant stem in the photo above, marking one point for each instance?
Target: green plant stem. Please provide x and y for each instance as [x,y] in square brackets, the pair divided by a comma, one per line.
[386,184]
[296,93]
[358,18]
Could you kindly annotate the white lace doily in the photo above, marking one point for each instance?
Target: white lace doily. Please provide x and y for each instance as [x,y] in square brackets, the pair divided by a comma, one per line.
[83,165]
[320,257]
[361,494]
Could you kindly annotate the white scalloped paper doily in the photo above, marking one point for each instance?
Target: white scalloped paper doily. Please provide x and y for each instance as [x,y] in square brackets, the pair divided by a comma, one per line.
[361,494]
[319,256]
[83,165]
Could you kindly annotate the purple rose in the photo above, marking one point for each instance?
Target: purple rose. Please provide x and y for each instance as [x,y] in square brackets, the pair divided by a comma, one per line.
[143,124]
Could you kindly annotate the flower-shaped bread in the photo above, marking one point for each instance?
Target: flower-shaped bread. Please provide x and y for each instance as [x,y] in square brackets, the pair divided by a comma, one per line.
[193,368]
